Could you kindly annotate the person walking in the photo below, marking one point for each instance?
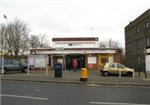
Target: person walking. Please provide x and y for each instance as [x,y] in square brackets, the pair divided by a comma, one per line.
[74,64]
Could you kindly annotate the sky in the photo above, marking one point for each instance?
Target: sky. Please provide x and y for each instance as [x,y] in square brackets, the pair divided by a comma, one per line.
[105,19]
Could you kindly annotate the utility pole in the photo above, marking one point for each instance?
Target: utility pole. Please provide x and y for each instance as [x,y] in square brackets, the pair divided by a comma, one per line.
[3,38]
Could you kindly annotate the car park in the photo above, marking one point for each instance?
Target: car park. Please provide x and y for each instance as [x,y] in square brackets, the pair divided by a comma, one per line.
[12,65]
[115,69]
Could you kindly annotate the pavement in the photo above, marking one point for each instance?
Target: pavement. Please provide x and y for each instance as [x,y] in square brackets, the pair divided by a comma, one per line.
[70,77]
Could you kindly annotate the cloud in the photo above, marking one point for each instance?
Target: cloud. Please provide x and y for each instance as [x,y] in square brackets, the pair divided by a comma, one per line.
[75,17]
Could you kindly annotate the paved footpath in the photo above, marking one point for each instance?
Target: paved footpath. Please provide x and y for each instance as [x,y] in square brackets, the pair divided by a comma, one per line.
[94,78]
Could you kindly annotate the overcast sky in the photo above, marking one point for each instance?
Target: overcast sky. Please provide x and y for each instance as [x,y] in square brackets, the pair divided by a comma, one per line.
[75,18]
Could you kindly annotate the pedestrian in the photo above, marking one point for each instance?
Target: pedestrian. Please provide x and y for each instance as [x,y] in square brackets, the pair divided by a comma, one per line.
[74,64]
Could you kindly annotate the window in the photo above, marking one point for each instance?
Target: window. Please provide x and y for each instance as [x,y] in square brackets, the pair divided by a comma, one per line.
[15,62]
[146,24]
[70,44]
[147,41]
[139,59]
[138,44]
[112,65]
[137,30]
[119,65]
[8,62]
[92,60]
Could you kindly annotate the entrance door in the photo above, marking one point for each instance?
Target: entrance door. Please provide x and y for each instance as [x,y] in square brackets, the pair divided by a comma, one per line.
[79,58]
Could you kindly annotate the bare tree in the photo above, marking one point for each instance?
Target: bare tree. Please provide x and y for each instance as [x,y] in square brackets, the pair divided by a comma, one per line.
[43,41]
[16,37]
[17,40]
[2,30]
[113,44]
[38,41]
[110,44]
[102,44]
[34,41]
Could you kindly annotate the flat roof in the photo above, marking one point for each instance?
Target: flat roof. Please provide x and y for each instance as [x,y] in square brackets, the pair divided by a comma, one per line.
[76,39]
[35,49]
[76,52]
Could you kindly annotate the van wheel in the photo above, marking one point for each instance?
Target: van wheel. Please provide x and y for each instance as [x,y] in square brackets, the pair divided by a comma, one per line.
[105,73]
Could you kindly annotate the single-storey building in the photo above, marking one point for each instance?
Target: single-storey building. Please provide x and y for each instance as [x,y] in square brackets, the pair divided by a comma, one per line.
[85,51]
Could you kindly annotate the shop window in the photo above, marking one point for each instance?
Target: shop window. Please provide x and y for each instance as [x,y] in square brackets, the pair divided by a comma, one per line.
[92,60]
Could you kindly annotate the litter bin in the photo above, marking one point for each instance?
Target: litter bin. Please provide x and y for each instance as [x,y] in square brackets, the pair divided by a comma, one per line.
[58,70]
[83,74]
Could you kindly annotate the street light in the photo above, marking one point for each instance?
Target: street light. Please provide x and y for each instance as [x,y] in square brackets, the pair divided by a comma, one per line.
[3,38]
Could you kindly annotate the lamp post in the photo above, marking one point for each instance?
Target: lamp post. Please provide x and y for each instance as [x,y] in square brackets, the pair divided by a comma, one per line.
[3,38]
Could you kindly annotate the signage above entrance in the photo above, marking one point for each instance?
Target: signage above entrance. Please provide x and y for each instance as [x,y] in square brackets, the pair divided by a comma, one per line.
[59,49]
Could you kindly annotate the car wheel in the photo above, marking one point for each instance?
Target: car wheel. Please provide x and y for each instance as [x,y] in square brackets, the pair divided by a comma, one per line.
[105,73]
[129,74]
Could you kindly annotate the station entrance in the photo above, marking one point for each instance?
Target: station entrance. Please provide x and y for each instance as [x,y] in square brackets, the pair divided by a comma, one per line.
[73,60]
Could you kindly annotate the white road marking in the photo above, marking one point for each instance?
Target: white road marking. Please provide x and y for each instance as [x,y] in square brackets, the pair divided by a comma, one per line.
[110,103]
[27,97]
[92,85]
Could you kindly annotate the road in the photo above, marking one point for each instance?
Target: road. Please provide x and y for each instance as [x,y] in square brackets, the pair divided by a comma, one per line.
[30,93]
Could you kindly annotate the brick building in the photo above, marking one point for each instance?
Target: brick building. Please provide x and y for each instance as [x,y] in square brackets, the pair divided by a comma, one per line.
[137,39]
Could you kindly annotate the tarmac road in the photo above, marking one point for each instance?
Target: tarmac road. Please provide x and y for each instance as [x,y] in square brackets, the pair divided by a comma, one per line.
[30,93]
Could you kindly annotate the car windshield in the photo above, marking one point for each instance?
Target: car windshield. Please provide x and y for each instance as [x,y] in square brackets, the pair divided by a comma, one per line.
[16,62]
[8,62]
